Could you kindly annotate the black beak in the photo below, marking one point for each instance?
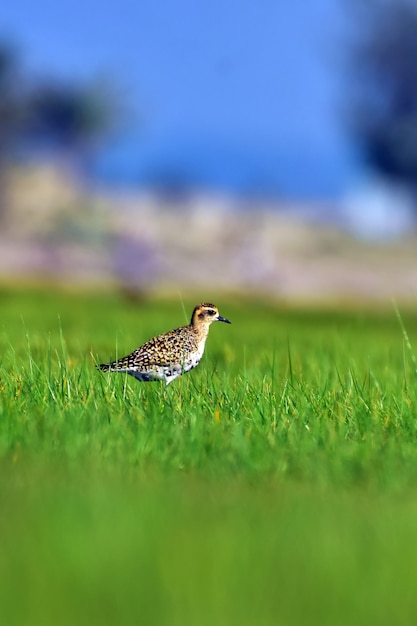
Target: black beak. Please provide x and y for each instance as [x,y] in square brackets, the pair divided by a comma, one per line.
[223,319]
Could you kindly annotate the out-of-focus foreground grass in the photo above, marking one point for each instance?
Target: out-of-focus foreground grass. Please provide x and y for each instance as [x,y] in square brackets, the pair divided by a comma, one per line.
[276,483]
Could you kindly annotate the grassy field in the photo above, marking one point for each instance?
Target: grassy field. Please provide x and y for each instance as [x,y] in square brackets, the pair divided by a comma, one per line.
[274,484]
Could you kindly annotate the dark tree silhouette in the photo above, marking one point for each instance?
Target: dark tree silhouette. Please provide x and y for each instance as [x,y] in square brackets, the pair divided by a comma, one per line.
[65,117]
[11,101]
[50,116]
[384,69]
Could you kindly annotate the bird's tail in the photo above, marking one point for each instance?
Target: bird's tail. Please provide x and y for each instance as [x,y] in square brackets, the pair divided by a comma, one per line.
[114,366]
[105,367]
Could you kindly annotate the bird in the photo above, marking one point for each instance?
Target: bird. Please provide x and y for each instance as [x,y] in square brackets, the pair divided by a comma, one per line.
[168,356]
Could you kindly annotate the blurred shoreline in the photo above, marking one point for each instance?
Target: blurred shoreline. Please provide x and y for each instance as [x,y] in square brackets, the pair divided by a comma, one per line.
[56,231]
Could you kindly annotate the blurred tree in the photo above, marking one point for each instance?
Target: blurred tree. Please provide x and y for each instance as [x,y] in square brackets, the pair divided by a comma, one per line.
[10,111]
[385,102]
[48,116]
[66,119]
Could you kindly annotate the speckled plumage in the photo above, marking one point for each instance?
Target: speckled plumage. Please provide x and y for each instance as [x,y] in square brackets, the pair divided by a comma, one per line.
[168,356]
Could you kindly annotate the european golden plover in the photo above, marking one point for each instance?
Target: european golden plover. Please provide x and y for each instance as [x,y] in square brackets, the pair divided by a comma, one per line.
[168,356]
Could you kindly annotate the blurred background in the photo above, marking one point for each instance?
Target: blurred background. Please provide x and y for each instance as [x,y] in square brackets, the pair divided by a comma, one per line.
[268,146]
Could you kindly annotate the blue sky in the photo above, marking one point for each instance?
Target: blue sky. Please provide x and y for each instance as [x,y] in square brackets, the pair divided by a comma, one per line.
[231,93]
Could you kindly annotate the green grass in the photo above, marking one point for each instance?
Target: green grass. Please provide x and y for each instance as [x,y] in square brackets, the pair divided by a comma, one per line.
[274,484]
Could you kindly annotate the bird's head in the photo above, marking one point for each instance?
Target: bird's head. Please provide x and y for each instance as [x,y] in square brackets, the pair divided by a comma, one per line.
[204,314]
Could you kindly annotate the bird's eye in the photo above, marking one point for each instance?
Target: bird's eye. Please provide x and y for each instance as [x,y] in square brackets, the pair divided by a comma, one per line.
[211,312]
